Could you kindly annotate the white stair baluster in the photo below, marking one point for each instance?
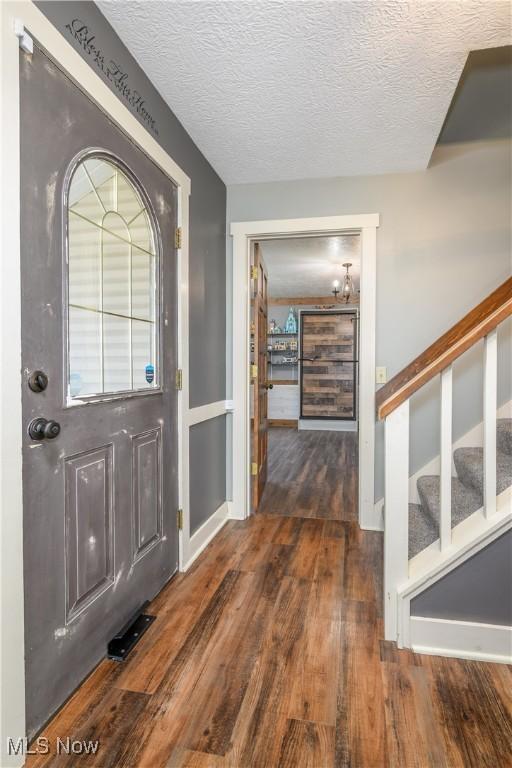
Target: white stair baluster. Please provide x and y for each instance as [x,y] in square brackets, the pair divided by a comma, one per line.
[396,513]
[445,514]
[490,405]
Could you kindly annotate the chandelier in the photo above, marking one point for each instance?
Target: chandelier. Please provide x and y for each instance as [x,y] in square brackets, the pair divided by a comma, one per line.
[347,288]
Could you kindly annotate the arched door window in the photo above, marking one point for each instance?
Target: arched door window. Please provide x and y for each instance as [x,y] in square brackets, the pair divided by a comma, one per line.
[112,283]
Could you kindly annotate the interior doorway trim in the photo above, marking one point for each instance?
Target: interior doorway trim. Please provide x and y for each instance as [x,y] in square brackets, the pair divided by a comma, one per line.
[28,20]
[243,234]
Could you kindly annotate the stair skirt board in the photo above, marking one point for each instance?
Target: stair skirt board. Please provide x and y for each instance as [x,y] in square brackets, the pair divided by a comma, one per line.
[461,639]
[206,532]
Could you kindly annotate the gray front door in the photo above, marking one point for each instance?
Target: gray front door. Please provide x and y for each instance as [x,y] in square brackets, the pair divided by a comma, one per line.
[99,322]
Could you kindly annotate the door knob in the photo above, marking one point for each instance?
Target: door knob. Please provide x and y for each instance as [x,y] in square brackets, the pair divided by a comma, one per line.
[43,429]
[269,385]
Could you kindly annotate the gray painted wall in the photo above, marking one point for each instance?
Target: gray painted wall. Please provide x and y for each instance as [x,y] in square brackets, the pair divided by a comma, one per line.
[443,244]
[482,105]
[478,590]
[208,489]
[207,270]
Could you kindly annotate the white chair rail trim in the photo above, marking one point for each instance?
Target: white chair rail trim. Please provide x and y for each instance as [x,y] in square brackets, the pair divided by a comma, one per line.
[209,411]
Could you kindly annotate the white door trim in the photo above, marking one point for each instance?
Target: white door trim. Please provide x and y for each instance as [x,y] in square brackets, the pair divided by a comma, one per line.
[11,520]
[243,233]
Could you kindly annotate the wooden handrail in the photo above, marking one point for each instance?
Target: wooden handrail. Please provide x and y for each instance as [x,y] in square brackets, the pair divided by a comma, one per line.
[448,347]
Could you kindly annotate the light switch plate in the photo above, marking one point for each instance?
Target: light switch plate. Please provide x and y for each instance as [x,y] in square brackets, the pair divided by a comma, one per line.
[381,374]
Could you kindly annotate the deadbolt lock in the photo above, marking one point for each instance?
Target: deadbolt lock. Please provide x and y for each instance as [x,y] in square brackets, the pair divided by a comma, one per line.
[38,381]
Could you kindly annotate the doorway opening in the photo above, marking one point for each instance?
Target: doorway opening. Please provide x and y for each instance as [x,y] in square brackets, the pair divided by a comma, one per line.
[244,234]
[303,351]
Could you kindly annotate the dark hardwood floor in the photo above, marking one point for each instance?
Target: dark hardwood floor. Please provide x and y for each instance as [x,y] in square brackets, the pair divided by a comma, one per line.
[311,474]
[269,652]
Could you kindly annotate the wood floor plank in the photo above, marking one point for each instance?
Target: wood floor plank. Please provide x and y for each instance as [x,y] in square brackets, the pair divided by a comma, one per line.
[263,714]
[327,590]
[307,744]
[409,709]
[85,704]
[501,675]
[221,688]
[155,734]
[313,696]
[361,552]
[255,551]
[288,531]
[475,720]
[185,758]
[334,529]
[361,726]
[303,562]
[121,710]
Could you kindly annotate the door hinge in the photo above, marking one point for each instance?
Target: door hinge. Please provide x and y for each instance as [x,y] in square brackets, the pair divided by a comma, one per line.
[179,379]
[177,238]
[254,273]
[179,519]
[254,468]
[25,41]
[254,371]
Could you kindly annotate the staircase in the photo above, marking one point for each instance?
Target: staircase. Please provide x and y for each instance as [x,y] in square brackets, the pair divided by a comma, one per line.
[469,503]
[467,489]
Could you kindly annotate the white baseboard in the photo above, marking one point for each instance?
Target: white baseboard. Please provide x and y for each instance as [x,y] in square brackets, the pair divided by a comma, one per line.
[234,513]
[206,532]
[462,639]
[377,522]
[331,425]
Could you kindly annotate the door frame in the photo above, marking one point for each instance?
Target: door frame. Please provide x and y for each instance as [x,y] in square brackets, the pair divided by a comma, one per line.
[243,234]
[18,21]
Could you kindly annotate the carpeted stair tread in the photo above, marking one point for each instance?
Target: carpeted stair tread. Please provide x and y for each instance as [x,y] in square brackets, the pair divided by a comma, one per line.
[422,530]
[469,463]
[504,435]
[465,499]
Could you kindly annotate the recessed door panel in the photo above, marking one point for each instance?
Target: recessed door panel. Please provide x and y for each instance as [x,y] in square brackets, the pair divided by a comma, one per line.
[89,530]
[147,506]
[99,318]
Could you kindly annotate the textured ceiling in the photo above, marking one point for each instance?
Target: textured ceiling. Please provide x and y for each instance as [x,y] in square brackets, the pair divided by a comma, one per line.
[277,89]
[307,266]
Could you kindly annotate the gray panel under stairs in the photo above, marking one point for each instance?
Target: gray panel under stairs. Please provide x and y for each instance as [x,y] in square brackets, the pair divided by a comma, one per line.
[467,489]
